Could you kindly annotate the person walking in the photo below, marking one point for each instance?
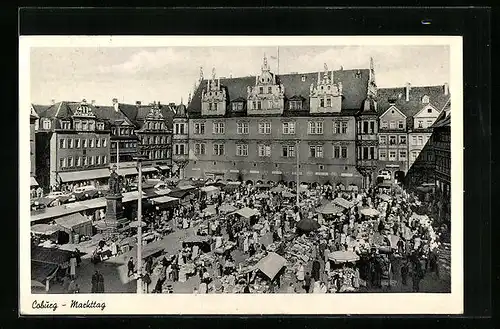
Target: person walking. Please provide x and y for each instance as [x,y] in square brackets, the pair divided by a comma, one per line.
[78,257]
[149,266]
[72,267]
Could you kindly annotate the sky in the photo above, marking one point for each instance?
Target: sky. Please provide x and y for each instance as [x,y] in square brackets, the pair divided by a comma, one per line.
[169,74]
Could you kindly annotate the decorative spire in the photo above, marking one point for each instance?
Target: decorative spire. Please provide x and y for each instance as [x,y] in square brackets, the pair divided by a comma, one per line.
[371,64]
[213,73]
[181,100]
[265,66]
[201,73]
[189,98]
[326,67]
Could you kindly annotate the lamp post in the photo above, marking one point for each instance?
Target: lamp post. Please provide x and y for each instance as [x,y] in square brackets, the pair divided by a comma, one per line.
[139,159]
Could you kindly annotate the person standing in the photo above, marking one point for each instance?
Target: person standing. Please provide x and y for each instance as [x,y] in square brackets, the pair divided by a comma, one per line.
[316,267]
[78,257]
[147,281]
[130,266]
[404,272]
[94,281]
[100,283]
[149,265]
[307,282]
[72,267]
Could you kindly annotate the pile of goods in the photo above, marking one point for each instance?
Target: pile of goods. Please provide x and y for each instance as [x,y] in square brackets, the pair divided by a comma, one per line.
[346,277]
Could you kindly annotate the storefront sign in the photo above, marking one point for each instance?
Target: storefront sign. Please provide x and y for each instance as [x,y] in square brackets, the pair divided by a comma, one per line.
[321,174]
[196,169]
[234,170]
[277,172]
[254,171]
[346,174]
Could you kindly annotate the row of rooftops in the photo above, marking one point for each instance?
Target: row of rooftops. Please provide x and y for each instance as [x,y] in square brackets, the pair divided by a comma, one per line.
[355,95]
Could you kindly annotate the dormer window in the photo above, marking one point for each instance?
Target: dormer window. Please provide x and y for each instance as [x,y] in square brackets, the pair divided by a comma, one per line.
[429,110]
[425,99]
[238,106]
[295,105]
[269,90]
[100,126]
[303,78]
[65,125]
[261,90]
[46,124]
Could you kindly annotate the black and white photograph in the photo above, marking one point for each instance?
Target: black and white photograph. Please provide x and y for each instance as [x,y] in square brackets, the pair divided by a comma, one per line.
[264,167]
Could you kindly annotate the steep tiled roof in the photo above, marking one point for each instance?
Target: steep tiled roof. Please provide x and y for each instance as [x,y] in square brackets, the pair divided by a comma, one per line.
[354,89]
[40,108]
[437,98]
[108,113]
[137,113]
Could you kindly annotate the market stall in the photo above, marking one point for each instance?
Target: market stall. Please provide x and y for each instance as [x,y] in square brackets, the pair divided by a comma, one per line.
[247,213]
[307,225]
[227,208]
[203,242]
[76,226]
[210,191]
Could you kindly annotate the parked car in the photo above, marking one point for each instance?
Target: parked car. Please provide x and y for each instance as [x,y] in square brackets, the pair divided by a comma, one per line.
[385,174]
[161,186]
[85,188]
[56,194]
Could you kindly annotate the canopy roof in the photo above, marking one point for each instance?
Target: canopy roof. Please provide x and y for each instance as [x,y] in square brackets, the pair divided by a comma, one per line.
[369,212]
[343,203]
[209,188]
[329,209]
[227,208]
[271,264]
[73,220]
[343,256]
[44,229]
[246,212]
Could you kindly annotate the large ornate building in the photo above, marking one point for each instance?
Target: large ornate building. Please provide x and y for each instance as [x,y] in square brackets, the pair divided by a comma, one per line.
[254,128]
[72,144]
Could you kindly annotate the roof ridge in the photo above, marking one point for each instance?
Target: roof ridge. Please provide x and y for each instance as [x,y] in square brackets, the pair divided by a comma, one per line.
[58,109]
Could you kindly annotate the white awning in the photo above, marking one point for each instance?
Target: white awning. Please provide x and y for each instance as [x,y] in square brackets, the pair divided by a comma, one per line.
[149,169]
[164,199]
[33,182]
[127,171]
[75,176]
[164,167]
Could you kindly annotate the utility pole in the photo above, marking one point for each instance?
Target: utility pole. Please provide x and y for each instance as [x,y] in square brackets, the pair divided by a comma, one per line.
[297,151]
[139,226]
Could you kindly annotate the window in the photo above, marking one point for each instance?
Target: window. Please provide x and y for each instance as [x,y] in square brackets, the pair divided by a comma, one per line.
[62,143]
[261,90]
[179,149]
[401,124]
[242,150]
[344,128]
[157,140]
[402,140]
[85,143]
[218,128]
[429,110]
[365,127]
[200,148]
[237,106]
[425,99]
[259,105]
[328,102]
[372,152]
[62,162]
[65,125]
[289,128]
[288,151]
[85,161]
[70,162]
[70,143]
[392,140]
[199,128]
[78,162]
[420,124]
[413,140]
[402,155]
[78,124]
[92,142]
[382,140]
[336,127]
[218,149]
[429,123]
[336,152]
[242,128]
[392,155]
[420,140]
[382,154]
[414,155]
[383,124]
[322,102]
[392,125]
[343,152]
[316,151]
[315,127]
[264,150]
[265,128]
[100,126]
[269,90]
[254,104]
[91,125]
[98,159]
[295,105]
[46,124]
[77,143]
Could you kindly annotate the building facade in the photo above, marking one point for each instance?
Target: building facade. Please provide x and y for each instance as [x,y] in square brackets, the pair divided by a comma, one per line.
[72,144]
[261,128]
[441,143]
[393,143]
[33,121]
[180,141]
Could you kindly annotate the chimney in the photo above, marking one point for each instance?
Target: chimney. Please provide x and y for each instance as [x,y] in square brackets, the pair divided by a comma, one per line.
[84,100]
[138,103]
[115,104]
[446,89]
[407,91]
[52,101]
[92,102]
